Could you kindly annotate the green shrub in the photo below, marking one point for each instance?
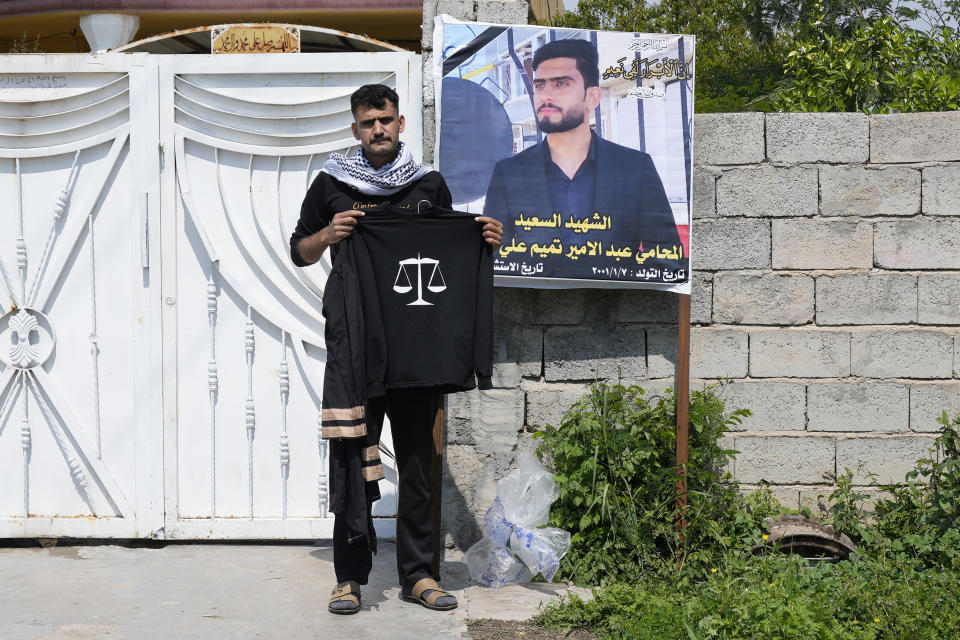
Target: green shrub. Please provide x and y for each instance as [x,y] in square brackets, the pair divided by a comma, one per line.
[881,67]
[615,464]
[805,55]
[903,583]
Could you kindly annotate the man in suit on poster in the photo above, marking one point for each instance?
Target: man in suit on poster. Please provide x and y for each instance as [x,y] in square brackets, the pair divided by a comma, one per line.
[575,172]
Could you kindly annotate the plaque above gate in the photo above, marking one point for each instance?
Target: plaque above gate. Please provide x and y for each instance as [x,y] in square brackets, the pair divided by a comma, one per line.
[251,38]
[26,338]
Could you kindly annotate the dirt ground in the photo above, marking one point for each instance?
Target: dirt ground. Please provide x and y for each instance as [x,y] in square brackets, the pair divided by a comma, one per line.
[509,629]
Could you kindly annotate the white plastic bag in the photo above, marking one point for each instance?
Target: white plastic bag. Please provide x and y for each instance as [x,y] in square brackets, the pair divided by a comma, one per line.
[516,546]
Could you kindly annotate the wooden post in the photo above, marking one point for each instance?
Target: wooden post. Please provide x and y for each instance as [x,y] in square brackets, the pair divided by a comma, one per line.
[436,482]
[683,409]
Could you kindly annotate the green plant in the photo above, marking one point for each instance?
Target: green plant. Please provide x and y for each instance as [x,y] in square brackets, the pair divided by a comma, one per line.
[804,55]
[773,596]
[613,456]
[881,67]
[902,584]
[919,517]
[843,507]
[739,56]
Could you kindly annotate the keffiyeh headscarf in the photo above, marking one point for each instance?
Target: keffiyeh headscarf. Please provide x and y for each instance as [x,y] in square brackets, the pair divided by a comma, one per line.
[357,172]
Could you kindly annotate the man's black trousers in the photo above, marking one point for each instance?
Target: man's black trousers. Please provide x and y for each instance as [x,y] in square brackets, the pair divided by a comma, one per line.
[412,414]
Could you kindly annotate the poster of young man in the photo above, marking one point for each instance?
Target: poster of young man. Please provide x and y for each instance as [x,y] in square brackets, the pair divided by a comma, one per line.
[579,142]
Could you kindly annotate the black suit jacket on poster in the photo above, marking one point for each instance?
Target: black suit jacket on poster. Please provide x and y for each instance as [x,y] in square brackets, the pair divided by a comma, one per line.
[628,189]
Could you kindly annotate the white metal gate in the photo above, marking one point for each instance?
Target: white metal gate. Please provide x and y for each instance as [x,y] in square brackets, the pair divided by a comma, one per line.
[208,428]
[80,428]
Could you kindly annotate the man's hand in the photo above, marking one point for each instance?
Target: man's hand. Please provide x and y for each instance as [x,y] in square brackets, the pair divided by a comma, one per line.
[312,247]
[341,226]
[492,231]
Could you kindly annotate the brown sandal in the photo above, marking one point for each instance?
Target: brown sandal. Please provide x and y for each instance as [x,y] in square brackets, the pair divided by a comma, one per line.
[427,592]
[348,593]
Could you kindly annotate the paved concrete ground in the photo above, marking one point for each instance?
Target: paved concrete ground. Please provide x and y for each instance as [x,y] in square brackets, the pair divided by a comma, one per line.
[231,591]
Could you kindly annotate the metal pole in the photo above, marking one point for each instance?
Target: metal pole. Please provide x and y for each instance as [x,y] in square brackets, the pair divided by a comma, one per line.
[436,488]
[683,410]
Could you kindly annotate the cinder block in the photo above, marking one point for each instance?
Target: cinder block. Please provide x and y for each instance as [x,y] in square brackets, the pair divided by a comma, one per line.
[728,138]
[428,88]
[662,351]
[956,355]
[901,353]
[661,307]
[857,406]
[817,137]
[466,481]
[511,306]
[732,244]
[460,9]
[917,244]
[889,458]
[929,400]
[647,306]
[704,193]
[941,190]
[718,353]
[502,11]
[657,388]
[939,298]
[861,298]
[915,137]
[858,191]
[429,134]
[488,420]
[555,306]
[584,353]
[712,351]
[546,404]
[518,346]
[775,406]
[788,496]
[767,191]
[517,352]
[601,306]
[784,459]
[765,298]
[701,298]
[799,354]
[822,244]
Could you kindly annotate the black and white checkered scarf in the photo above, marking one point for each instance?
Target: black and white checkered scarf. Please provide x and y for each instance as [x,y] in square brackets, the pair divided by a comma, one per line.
[357,172]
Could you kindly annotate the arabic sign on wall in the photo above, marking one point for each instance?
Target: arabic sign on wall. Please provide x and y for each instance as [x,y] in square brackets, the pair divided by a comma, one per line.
[579,142]
[255,39]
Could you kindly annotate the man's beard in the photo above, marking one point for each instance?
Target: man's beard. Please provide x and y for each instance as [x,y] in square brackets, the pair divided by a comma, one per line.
[570,119]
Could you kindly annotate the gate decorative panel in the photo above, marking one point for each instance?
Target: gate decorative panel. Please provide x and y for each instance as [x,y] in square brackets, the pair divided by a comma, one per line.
[79,327]
[243,138]
[161,360]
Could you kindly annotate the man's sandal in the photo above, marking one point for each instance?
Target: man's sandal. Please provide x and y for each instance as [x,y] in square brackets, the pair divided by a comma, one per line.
[345,598]
[427,593]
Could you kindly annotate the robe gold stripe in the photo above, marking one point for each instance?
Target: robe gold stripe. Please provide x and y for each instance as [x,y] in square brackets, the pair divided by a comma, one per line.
[373,473]
[353,413]
[370,453]
[355,431]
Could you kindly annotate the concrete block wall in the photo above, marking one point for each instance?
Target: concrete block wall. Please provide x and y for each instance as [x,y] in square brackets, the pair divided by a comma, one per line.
[847,288]
[826,291]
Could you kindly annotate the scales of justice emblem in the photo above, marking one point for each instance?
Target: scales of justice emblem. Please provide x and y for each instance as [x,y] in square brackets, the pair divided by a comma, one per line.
[402,283]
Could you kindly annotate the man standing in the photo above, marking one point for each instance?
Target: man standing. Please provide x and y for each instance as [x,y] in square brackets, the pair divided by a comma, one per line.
[382,172]
[574,172]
